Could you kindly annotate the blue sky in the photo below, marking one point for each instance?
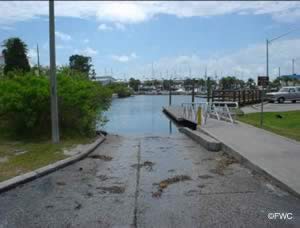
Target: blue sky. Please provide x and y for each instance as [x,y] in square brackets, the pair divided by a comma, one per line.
[128,37]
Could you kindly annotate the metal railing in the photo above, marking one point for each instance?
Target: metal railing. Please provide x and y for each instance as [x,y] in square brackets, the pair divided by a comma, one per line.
[200,111]
[195,112]
[224,110]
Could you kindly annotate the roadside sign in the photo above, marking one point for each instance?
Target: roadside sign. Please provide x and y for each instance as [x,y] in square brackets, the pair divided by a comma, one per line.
[263,81]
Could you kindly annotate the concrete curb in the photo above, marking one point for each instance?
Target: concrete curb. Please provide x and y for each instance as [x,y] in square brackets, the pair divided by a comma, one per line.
[257,169]
[205,140]
[21,179]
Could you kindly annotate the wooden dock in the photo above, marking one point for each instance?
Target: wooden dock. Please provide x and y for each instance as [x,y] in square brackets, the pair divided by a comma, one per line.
[177,115]
[243,97]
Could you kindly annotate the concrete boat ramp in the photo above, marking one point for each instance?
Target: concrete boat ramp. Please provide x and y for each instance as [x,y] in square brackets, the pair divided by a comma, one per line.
[148,181]
[156,181]
[277,157]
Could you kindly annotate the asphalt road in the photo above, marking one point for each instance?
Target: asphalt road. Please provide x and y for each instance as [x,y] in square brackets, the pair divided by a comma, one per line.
[125,191]
[272,107]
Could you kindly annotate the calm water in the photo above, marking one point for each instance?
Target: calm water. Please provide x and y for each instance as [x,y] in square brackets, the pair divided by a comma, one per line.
[142,115]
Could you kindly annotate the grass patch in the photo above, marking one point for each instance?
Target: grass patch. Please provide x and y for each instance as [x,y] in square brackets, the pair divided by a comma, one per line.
[282,123]
[24,156]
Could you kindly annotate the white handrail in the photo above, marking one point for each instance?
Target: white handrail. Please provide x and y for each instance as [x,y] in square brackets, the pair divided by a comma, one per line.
[219,109]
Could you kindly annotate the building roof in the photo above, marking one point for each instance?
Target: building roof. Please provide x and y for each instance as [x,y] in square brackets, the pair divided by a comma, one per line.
[105,77]
[297,76]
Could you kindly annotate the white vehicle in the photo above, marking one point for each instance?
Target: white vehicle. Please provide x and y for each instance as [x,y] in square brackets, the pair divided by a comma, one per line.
[289,93]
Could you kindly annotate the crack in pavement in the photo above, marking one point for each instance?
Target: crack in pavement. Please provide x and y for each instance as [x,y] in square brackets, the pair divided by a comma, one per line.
[221,193]
[137,188]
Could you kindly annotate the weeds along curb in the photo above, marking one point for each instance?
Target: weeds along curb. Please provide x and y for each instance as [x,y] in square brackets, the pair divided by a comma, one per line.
[24,178]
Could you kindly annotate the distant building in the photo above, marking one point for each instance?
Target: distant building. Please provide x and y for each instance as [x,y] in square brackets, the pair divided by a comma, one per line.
[104,80]
[292,78]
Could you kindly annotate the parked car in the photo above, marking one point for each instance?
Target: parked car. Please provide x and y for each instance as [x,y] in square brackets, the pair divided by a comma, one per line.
[289,93]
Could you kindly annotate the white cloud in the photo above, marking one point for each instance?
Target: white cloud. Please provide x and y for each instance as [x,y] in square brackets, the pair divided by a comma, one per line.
[247,62]
[8,28]
[115,26]
[89,51]
[63,36]
[135,12]
[104,27]
[32,56]
[124,58]
[120,26]
[59,46]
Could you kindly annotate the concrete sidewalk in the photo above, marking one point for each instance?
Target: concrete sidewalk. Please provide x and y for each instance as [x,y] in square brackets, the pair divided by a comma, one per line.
[274,155]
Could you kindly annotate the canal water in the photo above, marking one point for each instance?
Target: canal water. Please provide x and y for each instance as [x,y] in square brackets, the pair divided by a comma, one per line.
[142,115]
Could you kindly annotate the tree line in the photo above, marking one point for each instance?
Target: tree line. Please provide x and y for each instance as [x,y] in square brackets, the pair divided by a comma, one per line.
[25,96]
[15,59]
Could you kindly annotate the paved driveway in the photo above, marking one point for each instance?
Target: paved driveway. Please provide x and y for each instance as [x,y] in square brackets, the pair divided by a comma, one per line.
[272,107]
[121,187]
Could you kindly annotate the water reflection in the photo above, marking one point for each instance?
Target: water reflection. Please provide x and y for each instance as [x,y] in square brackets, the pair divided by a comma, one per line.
[139,115]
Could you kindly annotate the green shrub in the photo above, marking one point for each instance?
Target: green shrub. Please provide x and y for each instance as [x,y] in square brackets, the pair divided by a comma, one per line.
[25,105]
[121,89]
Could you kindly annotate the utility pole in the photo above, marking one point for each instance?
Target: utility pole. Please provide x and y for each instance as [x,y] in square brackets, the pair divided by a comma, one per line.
[279,74]
[293,66]
[262,92]
[152,74]
[205,78]
[193,90]
[193,85]
[170,93]
[208,89]
[267,57]
[54,107]
[38,59]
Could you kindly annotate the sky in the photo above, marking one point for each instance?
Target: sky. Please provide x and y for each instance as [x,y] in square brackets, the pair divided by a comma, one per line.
[179,39]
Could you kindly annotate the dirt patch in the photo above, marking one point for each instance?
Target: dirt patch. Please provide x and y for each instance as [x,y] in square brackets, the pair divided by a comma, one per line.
[201,186]
[103,177]
[147,164]
[89,194]
[3,159]
[205,176]
[77,205]
[222,163]
[165,183]
[101,157]
[112,189]
[191,192]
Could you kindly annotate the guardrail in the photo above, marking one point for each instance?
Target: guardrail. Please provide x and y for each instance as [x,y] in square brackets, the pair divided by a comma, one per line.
[195,112]
[200,111]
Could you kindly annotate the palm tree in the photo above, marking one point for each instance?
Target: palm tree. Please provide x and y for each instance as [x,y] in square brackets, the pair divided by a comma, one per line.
[250,83]
[15,55]
[286,80]
[295,81]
